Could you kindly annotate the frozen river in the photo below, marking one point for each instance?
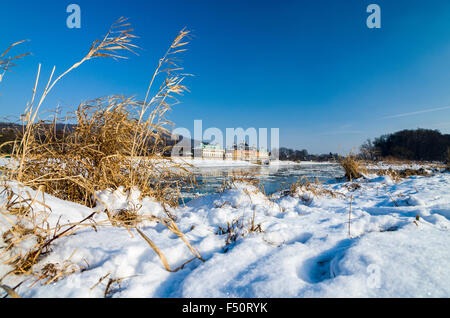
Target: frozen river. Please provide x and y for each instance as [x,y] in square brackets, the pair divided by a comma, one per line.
[272,178]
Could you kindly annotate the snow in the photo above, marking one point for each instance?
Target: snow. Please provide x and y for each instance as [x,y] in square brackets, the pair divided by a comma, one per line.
[397,247]
[401,166]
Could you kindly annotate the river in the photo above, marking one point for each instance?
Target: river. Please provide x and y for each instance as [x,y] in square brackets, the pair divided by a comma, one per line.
[272,178]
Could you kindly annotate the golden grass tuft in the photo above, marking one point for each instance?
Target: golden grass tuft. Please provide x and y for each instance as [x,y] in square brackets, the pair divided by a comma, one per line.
[352,168]
[116,141]
[28,236]
[98,155]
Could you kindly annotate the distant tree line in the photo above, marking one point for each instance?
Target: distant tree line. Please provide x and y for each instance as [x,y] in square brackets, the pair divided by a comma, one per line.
[419,144]
[303,155]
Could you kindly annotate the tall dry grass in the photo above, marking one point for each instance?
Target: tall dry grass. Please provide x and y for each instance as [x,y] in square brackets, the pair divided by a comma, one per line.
[116,141]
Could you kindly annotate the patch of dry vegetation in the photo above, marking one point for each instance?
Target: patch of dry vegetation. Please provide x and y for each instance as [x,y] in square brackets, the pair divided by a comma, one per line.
[399,174]
[237,228]
[306,190]
[27,235]
[115,142]
[242,177]
[352,167]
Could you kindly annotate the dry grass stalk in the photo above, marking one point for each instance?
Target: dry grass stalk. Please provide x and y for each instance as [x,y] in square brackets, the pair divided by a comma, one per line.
[161,254]
[171,225]
[11,293]
[129,217]
[156,249]
[254,228]
[101,279]
[7,63]
[393,200]
[109,286]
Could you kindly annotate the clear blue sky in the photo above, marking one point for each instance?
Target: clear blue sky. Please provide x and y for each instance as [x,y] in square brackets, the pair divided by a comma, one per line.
[311,68]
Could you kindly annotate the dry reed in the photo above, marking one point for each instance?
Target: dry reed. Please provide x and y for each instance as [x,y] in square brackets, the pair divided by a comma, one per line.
[170,224]
[352,168]
[28,236]
[306,190]
[116,141]
[237,228]
[6,63]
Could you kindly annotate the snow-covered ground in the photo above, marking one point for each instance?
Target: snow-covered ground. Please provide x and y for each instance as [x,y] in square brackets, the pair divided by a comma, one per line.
[398,244]
[401,166]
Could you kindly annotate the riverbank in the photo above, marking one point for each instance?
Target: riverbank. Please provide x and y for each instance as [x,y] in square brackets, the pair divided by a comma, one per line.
[298,243]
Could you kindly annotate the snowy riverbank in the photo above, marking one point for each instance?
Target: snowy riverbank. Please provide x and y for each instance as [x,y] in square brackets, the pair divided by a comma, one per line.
[397,247]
